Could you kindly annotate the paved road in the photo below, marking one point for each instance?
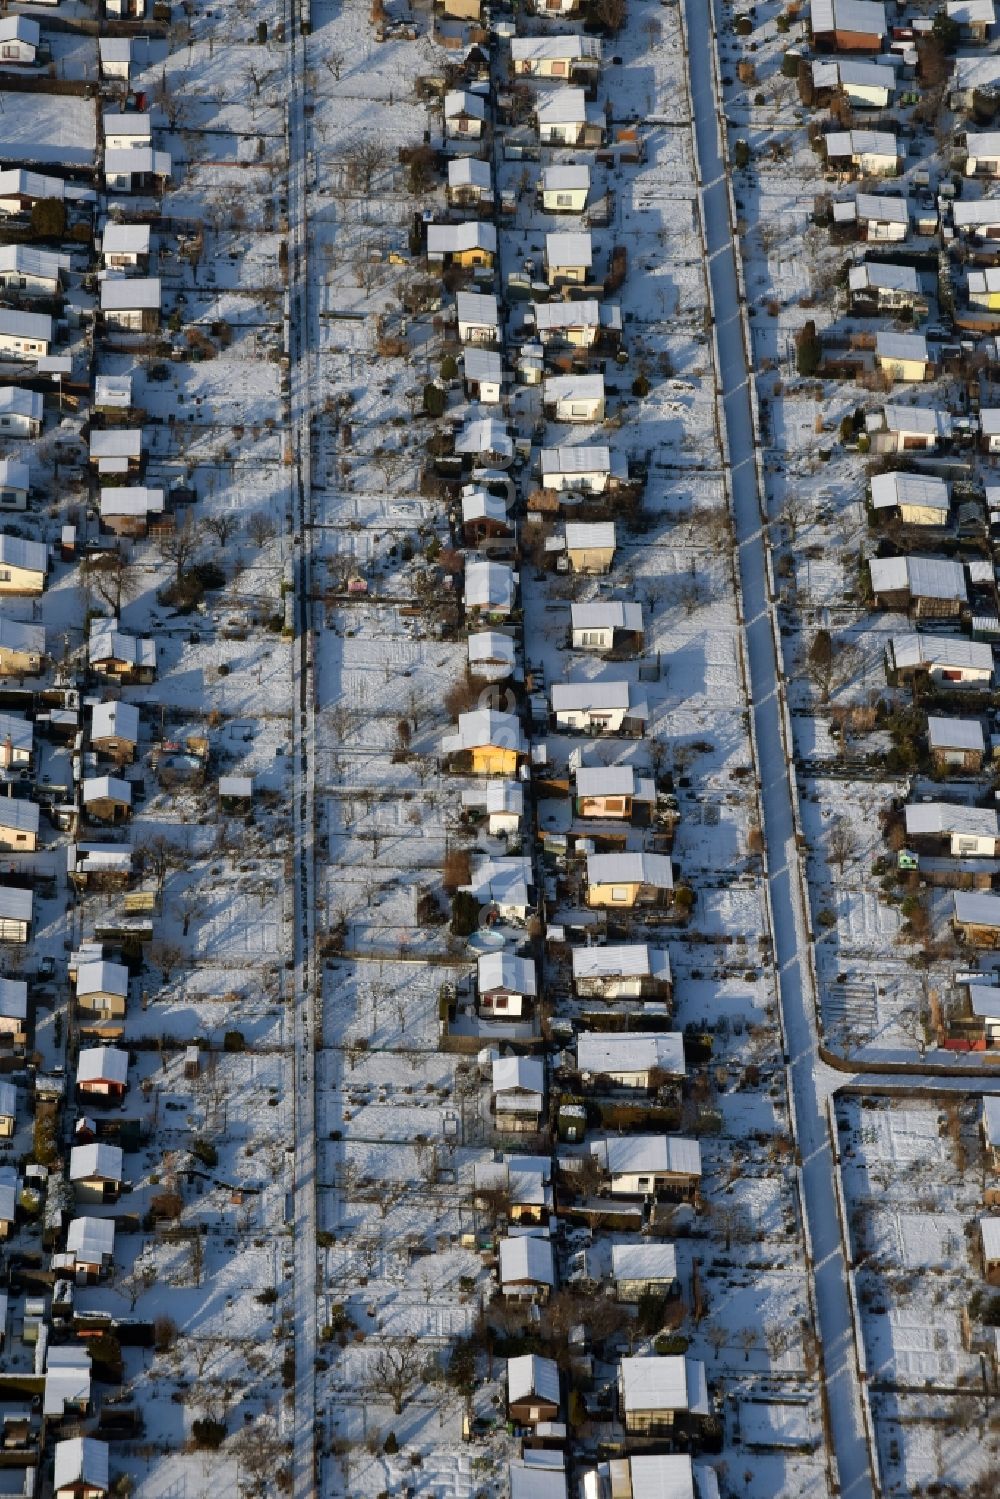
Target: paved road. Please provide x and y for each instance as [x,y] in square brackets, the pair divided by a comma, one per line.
[303,781]
[790,939]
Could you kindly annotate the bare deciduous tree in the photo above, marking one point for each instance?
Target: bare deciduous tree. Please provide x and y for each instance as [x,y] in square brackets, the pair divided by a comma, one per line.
[841,843]
[182,545]
[394,1371]
[222,526]
[261,528]
[364,158]
[111,576]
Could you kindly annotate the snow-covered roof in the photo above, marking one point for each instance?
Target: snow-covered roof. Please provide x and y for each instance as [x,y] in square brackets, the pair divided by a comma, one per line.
[8,1194]
[570,46]
[17,636]
[864,143]
[866,16]
[971,12]
[974,213]
[478,505]
[647,1261]
[8,1100]
[102,1064]
[477,307]
[921,577]
[584,697]
[573,388]
[527,1257]
[880,206]
[491,645]
[893,489]
[565,179]
[506,880]
[13,999]
[15,904]
[125,239]
[100,976]
[484,434]
[984,145]
[130,293]
[569,248]
[529,1480]
[489,585]
[459,102]
[523,1074]
[116,442]
[637,1155]
[614,780]
[81,1460]
[587,536]
[630,868]
[917,648]
[625,960]
[883,275]
[36,325]
[529,1374]
[920,420]
[136,160]
[991,1118]
[976,908]
[18,182]
[505,796]
[906,346]
[849,73]
[505,970]
[115,48]
[27,260]
[485,726]
[469,171]
[14,475]
[565,106]
[20,816]
[91,1239]
[18,733]
[136,126]
[984,281]
[20,29]
[955,733]
[97,1159]
[949,818]
[482,364]
[989,1229]
[16,551]
[585,458]
[127,499]
[453,239]
[984,1001]
[17,402]
[106,788]
[113,390]
[615,614]
[550,316]
[622,1052]
[657,1383]
[110,644]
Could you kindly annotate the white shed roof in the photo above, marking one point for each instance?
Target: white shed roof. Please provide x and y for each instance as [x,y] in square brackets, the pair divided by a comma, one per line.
[586,536]
[529,1374]
[621,1052]
[893,489]
[505,970]
[528,1257]
[627,960]
[955,733]
[569,248]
